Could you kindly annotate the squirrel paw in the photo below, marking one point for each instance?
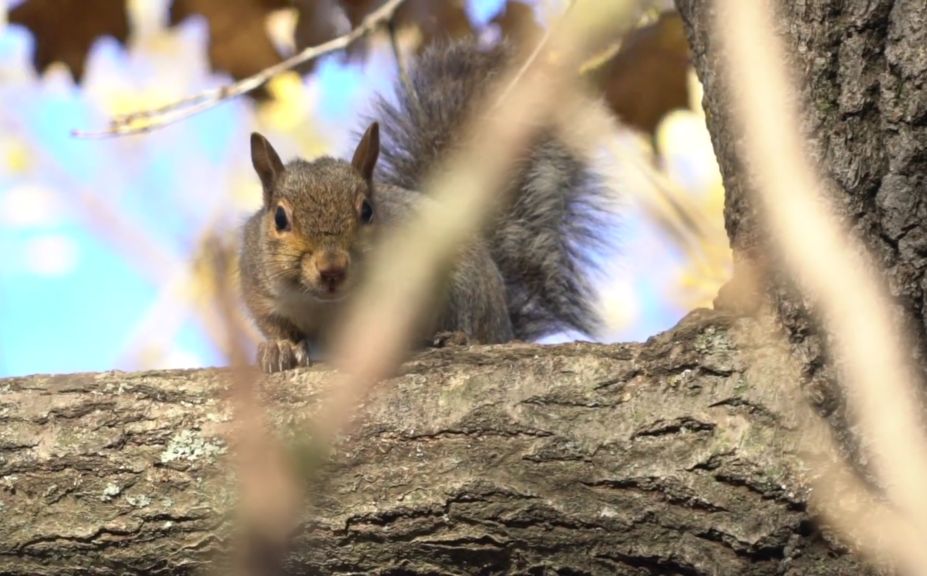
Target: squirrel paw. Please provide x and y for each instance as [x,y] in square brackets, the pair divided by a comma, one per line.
[278,355]
[447,339]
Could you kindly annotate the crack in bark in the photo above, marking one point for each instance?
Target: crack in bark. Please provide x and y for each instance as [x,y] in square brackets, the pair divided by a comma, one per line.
[756,552]
[563,402]
[755,409]
[654,564]
[657,487]
[469,433]
[677,426]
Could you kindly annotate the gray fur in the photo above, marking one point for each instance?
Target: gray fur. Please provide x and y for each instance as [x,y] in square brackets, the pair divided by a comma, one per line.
[474,297]
[557,201]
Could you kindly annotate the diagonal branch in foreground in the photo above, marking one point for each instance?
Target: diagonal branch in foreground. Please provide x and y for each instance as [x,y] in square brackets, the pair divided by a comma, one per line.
[147,120]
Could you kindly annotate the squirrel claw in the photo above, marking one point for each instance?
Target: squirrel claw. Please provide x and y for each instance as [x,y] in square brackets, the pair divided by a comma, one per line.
[279,355]
[452,338]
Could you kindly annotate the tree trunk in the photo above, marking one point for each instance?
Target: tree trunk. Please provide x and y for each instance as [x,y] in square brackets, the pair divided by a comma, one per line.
[860,69]
[678,456]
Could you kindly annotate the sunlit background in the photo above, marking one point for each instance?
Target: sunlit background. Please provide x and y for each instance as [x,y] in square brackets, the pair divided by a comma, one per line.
[98,238]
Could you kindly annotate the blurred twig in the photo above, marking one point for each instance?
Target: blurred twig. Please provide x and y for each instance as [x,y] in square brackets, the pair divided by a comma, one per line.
[466,189]
[270,494]
[189,293]
[685,222]
[170,274]
[837,273]
[102,215]
[146,120]
[541,44]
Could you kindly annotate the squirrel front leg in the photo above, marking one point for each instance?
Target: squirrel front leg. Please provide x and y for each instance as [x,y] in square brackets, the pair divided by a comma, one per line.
[475,309]
[284,346]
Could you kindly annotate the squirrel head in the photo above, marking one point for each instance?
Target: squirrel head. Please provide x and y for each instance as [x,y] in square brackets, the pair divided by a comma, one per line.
[317,218]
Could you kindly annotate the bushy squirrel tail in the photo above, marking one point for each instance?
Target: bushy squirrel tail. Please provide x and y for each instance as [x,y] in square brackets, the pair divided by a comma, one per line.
[541,241]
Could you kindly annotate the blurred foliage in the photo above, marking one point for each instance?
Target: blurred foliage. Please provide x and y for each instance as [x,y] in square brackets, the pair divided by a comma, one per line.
[641,81]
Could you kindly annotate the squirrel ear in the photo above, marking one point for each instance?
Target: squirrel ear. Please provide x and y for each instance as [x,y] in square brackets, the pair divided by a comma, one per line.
[266,163]
[365,156]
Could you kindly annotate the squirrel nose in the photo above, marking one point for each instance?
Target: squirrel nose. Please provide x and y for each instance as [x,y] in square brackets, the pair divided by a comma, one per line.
[333,268]
[332,276]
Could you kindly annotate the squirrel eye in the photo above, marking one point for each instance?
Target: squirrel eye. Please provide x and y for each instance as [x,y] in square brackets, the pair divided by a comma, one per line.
[280,219]
[366,212]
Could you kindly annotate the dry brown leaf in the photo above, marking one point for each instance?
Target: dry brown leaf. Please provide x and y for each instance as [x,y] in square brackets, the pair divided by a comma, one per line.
[518,25]
[356,10]
[647,77]
[64,30]
[436,20]
[238,40]
[322,20]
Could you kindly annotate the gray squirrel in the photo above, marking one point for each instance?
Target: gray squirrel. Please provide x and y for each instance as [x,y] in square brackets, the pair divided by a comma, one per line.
[526,276]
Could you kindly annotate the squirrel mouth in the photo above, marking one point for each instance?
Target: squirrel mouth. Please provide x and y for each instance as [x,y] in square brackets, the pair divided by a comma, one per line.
[319,292]
[328,293]
[329,296]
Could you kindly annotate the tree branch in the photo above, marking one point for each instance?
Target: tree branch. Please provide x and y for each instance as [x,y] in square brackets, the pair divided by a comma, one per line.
[147,120]
[678,456]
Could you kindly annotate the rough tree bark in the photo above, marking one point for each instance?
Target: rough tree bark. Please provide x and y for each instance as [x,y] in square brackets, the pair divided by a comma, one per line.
[678,456]
[861,72]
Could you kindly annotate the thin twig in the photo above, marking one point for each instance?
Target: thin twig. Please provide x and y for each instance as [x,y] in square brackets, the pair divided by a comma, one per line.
[545,37]
[401,65]
[147,120]
[270,495]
